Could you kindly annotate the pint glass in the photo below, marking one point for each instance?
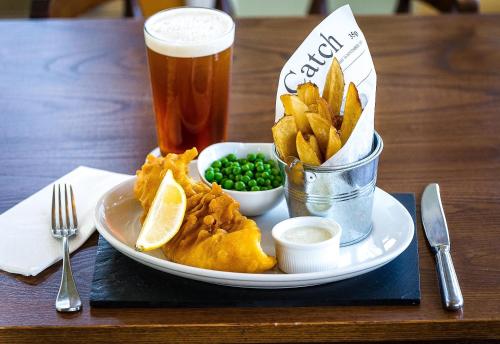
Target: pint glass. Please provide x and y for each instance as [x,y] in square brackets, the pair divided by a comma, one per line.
[189,55]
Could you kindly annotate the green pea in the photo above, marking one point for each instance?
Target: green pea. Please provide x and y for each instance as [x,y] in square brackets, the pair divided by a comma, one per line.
[218,177]
[240,186]
[245,179]
[252,183]
[264,188]
[265,175]
[209,175]
[249,174]
[226,171]
[216,169]
[232,157]
[258,162]
[224,161]
[255,188]
[261,156]
[260,168]
[209,169]
[275,171]
[272,163]
[222,181]
[251,157]
[279,179]
[267,167]
[236,170]
[267,182]
[245,168]
[231,176]
[237,178]
[275,183]
[217,164]
[228,184]
[251,166]
[242,161]
[260,181]
[258,175]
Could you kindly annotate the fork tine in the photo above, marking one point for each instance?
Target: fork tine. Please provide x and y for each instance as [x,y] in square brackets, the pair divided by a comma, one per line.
[60,208]
[66,206]
[73,207]
[54,225]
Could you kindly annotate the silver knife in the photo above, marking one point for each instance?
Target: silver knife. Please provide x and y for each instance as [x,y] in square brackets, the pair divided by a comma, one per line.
[436,231]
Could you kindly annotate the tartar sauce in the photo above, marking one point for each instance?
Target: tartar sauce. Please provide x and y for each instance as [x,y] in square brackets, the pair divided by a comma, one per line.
[306,235]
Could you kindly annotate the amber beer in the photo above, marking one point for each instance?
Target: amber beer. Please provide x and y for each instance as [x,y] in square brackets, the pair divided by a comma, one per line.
[189,55]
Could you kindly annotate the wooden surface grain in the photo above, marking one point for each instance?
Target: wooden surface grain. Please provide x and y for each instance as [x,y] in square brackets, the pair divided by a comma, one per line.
[76,93]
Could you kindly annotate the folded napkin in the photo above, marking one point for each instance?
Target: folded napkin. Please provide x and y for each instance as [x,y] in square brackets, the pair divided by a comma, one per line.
[26,243]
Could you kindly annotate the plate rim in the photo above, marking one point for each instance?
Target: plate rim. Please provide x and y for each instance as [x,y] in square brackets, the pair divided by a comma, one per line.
[248,277]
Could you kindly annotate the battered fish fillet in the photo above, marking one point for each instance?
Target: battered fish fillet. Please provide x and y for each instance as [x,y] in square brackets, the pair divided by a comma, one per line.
[214,235]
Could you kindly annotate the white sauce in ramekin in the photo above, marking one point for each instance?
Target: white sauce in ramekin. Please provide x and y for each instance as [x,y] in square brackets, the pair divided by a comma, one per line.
[307,244]
[306,235]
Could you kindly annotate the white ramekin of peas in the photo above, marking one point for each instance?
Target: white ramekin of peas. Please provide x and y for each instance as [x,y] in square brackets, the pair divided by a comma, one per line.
[246,171]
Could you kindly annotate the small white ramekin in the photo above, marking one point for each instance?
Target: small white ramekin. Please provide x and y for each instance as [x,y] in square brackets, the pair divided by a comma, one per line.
[301,258]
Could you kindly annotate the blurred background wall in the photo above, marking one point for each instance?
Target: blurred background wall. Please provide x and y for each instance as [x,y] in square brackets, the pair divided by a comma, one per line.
[242,8]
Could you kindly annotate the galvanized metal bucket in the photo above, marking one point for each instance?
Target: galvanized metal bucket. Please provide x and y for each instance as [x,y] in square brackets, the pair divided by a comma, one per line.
[342,193]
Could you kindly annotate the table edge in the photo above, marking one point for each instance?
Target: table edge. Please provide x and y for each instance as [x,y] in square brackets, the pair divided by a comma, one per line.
[423,330]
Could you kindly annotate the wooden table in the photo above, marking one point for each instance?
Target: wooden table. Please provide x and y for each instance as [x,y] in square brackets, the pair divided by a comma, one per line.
[77,93]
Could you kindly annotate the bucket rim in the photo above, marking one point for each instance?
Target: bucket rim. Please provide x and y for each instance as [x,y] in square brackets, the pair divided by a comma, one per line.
[377,150]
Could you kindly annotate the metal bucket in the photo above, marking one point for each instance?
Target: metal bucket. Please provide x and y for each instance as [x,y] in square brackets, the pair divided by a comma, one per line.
[343,193]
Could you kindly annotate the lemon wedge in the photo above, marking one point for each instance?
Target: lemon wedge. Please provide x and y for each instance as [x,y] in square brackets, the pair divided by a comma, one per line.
[165,215]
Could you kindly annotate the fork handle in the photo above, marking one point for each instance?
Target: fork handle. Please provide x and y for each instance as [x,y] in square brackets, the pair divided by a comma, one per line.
[68,299]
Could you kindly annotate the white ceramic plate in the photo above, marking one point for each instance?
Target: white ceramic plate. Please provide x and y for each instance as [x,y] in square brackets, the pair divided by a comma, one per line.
[117,219]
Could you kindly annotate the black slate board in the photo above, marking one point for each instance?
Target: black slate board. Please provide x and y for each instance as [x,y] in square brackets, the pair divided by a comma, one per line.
[121,282]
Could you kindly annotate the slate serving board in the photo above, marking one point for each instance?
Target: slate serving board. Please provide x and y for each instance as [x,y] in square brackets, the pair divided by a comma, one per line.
[121,282]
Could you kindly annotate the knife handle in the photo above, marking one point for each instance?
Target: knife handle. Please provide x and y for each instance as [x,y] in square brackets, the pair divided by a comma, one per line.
[450,289]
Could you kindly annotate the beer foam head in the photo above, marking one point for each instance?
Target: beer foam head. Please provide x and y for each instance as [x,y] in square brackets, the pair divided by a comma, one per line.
[189,32]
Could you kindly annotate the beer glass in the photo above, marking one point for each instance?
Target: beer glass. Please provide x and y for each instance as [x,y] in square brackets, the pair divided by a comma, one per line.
[189,56]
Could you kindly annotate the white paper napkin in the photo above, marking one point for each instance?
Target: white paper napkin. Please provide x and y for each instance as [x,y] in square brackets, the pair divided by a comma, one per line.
[26,243]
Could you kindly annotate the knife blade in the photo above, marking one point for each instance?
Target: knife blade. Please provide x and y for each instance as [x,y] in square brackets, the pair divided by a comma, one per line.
[436,231]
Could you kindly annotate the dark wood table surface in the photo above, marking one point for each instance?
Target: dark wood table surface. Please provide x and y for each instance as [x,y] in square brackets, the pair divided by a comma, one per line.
[76,92]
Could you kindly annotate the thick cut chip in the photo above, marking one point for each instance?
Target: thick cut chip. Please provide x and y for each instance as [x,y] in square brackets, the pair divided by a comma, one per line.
[334,143]
[308,150]
[308,93]
[313,142]
[320,128]
[334,87]
[323,108]
[284,134]
[313,107]
[352,112]
[296,107]
[337,121]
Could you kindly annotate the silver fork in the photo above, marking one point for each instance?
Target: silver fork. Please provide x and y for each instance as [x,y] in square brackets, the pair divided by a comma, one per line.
[68,299]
